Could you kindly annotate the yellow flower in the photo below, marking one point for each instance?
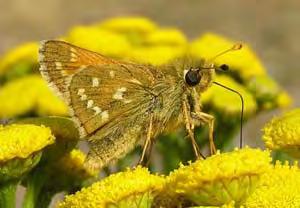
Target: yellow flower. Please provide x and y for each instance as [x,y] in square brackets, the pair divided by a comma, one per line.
[129,25]
[99,40]
[156,55]
[25,52]
[284,133]
[227,102]
[20,148]
[279,187]
[221,178]
[132,188]
[284,100]
[166,36]
[72,165]
[22,140]
[27,94]
[244,62]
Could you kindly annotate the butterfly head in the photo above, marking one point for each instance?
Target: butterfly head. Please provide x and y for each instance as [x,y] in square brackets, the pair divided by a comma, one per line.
[202,76]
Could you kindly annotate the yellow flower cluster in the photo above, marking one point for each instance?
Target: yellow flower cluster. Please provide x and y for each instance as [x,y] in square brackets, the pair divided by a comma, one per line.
[20,141]
[135,188]
[279,187]
[28,94]
[284,133]
[221,178]
[216,95]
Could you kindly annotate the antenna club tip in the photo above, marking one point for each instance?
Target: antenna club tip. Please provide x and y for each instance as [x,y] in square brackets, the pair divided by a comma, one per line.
[237,46]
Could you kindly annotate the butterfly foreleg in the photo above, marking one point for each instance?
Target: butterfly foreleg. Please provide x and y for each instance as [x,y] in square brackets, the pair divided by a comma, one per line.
[189,125]
[210,120]
[148,143]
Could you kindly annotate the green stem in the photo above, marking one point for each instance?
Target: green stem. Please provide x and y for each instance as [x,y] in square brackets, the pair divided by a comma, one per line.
[45,198]
[34,184]
[8,194]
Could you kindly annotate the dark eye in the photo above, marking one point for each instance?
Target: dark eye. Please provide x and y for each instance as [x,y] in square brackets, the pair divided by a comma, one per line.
[192,78]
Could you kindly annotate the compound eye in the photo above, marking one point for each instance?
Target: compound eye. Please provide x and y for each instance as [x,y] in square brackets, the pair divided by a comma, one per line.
[192,78]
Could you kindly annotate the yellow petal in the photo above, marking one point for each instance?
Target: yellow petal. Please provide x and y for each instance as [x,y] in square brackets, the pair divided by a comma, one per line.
[166,36]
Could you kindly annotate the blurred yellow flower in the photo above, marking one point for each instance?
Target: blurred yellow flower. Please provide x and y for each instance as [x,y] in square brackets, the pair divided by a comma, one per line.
[221,178]
[155,55]
[284,100]
[227,102]
[284,133]
[72,164]
[99,40]
[26,94]
[279,187]
[25,52]
[19,141]
[132,188]
[166,36]
[129,25]
[243,62]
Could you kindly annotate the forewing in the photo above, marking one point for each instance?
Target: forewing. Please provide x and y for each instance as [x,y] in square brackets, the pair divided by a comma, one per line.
[107,97]
[59,61]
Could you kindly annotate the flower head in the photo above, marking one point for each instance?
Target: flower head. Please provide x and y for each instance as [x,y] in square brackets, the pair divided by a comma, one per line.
[221,178]
[155,55]
[279,187]
[132,188]
[284,133]
[244,62]
[99,40]
[166,36]
[129,25]
[20,148]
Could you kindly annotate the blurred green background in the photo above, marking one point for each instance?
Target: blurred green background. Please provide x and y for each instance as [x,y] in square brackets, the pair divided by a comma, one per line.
[270,27]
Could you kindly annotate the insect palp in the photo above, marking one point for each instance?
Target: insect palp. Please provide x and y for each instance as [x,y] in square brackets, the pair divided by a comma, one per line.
[242,110]
[224,67]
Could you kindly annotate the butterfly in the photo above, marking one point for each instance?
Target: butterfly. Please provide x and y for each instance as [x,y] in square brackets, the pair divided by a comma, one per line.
[117,105]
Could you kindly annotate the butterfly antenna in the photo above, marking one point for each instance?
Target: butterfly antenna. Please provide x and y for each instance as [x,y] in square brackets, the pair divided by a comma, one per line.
[242,110]
[235,47]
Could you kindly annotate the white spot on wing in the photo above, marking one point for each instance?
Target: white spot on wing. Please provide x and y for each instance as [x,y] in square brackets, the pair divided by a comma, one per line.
[119,93]
[81,91]
[73,50]
[97,110]
[104,115]
[58,65]
[95,82]
[112,74]
[90,103]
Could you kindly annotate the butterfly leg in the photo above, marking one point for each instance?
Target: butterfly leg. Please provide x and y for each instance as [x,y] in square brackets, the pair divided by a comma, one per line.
[148,142]
[190,130]
[210,120]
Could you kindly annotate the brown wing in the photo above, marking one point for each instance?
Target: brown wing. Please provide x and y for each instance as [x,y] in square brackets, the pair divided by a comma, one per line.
[110,101]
